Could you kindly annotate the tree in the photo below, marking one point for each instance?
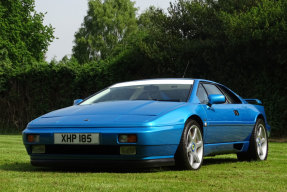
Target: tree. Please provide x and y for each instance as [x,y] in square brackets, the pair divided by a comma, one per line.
[241,44]
[108,24]
[23,37]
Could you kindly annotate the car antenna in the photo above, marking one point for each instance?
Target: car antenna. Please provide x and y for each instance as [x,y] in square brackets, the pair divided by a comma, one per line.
[185,69]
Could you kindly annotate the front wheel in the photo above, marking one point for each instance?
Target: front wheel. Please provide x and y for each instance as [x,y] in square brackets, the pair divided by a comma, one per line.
[190,150]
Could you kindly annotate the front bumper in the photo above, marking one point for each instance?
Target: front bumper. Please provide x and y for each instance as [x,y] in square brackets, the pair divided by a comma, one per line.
[156,146]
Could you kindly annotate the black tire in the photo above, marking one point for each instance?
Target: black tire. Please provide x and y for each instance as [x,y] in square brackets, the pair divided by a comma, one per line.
[258,145]
[189,155]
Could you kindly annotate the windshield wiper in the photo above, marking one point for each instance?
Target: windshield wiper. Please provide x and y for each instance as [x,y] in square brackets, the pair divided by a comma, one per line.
[172,100]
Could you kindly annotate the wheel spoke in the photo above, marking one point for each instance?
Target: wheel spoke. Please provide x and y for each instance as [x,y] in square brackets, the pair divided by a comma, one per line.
[260,150]
[263,140]
[189,137]
[190,158]
[194,134]
[189,148]
[259,132]
[196,158]
[199,144]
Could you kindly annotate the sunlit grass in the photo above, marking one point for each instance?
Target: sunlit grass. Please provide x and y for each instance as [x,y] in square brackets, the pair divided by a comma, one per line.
[220,173]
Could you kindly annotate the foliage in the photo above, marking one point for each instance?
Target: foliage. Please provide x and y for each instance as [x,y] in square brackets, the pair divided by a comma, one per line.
[42,87]
[23,37]
[238,43]
[241,44]
[108,23]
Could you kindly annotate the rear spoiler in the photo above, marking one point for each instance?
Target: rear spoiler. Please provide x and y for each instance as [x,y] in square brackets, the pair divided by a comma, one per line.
[253,101]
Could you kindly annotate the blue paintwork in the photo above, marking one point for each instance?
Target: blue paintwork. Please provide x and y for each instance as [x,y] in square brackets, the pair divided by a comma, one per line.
[216,99]
[158,125]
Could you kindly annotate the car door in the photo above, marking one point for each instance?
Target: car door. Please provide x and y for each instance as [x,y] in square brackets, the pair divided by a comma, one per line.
[246,113]
[223,120]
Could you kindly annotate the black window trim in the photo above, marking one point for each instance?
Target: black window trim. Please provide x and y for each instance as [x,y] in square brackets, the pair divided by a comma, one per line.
[219,86]
[190,92]
[203,82]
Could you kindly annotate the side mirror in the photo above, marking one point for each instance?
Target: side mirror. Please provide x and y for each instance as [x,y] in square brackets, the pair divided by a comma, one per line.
[216,99]
[77,101]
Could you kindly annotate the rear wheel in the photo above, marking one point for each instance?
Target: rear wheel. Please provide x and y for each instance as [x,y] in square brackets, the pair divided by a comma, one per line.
[258,146]
[190,150]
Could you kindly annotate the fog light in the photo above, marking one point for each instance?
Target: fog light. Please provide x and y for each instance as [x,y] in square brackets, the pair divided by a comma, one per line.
[33,138]
[38,149]
[129,138]
[128,150]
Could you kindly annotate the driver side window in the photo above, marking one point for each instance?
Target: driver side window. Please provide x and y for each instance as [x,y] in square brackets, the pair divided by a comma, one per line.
[212,89]
[202,95]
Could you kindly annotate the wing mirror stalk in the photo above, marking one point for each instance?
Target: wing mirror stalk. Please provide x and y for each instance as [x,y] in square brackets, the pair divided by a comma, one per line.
[77,101]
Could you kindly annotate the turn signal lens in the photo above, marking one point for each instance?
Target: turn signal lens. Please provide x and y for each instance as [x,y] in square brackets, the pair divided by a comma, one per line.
[33,138]
[130,138]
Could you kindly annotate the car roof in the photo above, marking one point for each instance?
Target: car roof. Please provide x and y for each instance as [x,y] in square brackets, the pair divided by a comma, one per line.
[163,81]
[156,81]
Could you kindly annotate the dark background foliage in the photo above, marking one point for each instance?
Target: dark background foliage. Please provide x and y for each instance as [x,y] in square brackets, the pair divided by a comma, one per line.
[241,44]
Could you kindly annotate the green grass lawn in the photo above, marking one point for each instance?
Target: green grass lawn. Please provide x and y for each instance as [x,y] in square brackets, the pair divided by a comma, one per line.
[220,173]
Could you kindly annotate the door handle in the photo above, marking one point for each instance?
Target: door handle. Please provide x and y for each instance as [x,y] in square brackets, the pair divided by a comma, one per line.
[236,113]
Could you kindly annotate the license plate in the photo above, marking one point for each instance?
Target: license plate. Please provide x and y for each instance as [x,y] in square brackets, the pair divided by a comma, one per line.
[76,138]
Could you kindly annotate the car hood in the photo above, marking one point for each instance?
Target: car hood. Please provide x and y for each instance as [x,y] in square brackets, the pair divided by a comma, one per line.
[106,114]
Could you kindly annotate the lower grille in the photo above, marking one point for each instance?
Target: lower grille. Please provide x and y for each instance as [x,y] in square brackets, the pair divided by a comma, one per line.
[83,149]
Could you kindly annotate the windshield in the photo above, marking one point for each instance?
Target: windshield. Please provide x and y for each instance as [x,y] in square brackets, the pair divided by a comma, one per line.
[157,92]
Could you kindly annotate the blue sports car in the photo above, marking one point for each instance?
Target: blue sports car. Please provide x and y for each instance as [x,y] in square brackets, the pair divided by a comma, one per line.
[157,122]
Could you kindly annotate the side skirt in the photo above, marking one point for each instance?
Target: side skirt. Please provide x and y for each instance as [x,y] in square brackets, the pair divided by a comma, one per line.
[225,148]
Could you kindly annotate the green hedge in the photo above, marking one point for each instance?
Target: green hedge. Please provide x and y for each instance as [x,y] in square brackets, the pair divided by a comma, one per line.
[31,92]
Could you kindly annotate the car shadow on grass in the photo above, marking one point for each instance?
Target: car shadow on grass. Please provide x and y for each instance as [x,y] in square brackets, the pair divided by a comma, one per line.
[211,161]
[27,167]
